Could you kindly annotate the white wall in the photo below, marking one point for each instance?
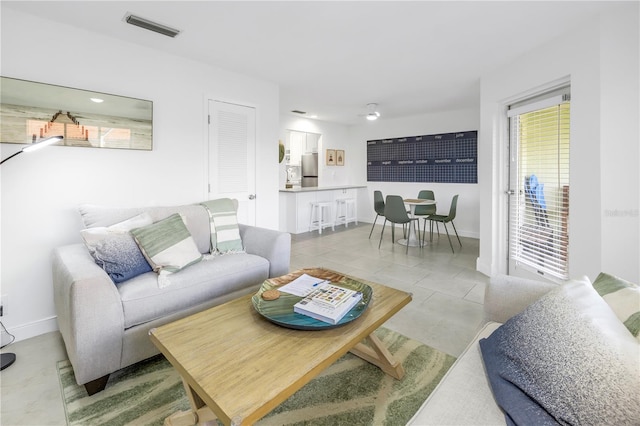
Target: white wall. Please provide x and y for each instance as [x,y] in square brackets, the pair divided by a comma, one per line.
[601,58]
[620,143]
[467,219]
[41,191]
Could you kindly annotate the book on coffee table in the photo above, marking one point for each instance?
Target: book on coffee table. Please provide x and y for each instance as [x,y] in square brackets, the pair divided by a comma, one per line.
[328,303]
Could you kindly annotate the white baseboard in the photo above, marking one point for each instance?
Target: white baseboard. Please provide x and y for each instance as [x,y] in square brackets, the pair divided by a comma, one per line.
[483,267]
[35,328]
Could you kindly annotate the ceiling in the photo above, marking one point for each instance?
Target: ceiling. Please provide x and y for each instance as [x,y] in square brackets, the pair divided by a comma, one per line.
[332,58]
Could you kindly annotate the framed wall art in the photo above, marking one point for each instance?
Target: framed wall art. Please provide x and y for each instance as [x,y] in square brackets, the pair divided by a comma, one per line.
[339,157]
[331,157]
[31,111]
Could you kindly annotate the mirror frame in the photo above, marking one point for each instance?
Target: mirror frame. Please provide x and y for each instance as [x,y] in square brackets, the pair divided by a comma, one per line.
[30,111]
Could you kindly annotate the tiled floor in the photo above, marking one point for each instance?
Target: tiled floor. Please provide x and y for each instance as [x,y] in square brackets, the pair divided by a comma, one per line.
[445,312]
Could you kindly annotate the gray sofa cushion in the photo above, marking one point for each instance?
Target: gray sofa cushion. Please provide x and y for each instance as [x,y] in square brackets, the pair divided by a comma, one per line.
[144,301]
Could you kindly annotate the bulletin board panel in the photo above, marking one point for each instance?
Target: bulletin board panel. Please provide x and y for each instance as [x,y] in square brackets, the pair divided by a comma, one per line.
[446,158]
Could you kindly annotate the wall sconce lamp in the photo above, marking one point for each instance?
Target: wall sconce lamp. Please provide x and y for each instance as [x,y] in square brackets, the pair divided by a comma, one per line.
[35,146]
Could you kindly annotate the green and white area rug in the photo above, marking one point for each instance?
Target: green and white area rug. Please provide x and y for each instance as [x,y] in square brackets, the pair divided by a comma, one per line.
[349,392]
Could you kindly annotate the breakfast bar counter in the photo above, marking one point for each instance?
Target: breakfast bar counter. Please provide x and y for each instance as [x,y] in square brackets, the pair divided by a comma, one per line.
[295,203]
[297,189]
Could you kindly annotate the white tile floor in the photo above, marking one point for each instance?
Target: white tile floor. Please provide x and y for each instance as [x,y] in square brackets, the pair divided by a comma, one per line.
[445,312]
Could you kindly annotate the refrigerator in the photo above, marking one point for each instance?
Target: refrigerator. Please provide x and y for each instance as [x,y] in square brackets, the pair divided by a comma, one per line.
[309,164]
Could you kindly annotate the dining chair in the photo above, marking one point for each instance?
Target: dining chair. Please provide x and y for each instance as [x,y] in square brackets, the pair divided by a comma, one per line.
[438,218]
[425,211]
[378,206]
[396,212]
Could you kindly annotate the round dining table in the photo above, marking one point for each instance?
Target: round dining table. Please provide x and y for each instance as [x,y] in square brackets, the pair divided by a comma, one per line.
[414,238]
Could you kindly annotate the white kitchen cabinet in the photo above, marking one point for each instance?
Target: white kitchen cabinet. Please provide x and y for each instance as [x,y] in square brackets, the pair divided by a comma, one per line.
[299,143]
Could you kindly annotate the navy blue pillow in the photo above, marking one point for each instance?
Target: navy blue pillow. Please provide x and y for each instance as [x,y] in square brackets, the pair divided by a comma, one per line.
[518,407]
[121,258]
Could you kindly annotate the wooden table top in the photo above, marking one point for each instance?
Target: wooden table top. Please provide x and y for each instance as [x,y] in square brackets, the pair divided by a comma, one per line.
[243,366]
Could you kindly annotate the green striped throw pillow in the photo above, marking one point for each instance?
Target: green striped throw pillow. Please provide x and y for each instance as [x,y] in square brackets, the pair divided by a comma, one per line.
[225,233]
[167,244]
[624,299]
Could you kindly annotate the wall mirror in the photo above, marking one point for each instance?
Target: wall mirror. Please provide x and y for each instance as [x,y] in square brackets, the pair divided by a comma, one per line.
[31,111]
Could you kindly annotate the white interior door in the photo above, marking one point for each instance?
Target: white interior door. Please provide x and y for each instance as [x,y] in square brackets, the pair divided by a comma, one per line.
[232,156]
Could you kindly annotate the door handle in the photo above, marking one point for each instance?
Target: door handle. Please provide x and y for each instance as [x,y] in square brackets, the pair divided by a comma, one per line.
[252,196]
[510,192]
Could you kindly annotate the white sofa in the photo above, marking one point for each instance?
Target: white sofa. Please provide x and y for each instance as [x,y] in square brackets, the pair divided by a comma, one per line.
[105,326]
[465,396]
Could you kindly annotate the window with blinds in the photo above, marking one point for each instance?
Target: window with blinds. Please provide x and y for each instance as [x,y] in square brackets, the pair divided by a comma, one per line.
[539,207]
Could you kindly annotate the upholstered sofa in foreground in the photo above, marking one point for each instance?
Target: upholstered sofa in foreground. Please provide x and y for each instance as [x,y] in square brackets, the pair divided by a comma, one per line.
[105,325]
[563,356]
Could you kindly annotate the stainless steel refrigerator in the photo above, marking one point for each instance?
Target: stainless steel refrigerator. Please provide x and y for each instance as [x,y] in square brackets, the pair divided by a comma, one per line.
[310,169]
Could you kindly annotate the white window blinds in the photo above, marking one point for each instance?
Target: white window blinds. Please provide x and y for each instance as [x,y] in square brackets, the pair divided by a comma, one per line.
[539,207]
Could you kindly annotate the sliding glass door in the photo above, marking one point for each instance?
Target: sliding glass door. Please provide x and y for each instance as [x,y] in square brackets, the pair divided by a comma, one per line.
[539,186]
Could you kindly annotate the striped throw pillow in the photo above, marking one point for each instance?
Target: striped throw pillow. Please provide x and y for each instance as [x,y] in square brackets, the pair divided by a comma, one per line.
[225,233]
[167,244]
[624,299]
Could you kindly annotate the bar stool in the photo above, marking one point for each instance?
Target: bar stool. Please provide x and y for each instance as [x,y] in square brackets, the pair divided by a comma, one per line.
[346,211]
[321,216]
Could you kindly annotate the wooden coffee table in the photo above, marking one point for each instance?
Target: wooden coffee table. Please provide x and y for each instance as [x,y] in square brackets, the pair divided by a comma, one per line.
[237,366]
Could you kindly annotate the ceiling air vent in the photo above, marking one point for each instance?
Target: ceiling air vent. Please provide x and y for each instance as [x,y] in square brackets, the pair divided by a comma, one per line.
[150,25]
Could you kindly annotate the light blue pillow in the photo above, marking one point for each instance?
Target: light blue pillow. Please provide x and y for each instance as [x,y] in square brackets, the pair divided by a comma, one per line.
[115,250]
[120,257]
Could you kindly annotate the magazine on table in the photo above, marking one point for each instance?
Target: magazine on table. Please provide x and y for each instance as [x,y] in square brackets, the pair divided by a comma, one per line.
[303,285]
[328,303]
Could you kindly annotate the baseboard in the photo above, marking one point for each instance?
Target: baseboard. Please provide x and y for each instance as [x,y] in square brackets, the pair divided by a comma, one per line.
[35,328]
[483,267]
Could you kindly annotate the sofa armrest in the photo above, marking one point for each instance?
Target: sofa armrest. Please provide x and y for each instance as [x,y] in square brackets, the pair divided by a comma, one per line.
[275,246]
[89,312]
[506,296]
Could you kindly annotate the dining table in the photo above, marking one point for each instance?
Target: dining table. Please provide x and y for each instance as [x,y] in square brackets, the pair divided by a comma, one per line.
[414,239]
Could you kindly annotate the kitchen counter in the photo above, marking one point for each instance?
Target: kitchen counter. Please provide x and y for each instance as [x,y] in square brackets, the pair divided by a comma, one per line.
[320,188]
[295,203]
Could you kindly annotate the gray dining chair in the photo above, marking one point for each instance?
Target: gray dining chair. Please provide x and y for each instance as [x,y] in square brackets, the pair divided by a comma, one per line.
[438,218]
[425,211]
[378,206]
[396,212]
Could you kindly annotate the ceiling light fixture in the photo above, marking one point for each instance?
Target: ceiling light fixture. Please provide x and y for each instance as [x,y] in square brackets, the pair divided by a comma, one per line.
[373,114]
[150,25]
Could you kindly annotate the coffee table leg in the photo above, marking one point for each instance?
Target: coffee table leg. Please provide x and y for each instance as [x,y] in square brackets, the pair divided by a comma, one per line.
[379,355]
[199,413]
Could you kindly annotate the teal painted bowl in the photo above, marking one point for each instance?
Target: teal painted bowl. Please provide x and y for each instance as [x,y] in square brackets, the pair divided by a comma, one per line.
[280,311]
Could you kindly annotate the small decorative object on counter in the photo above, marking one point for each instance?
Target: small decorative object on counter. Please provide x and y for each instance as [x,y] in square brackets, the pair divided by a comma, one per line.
[288,185]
